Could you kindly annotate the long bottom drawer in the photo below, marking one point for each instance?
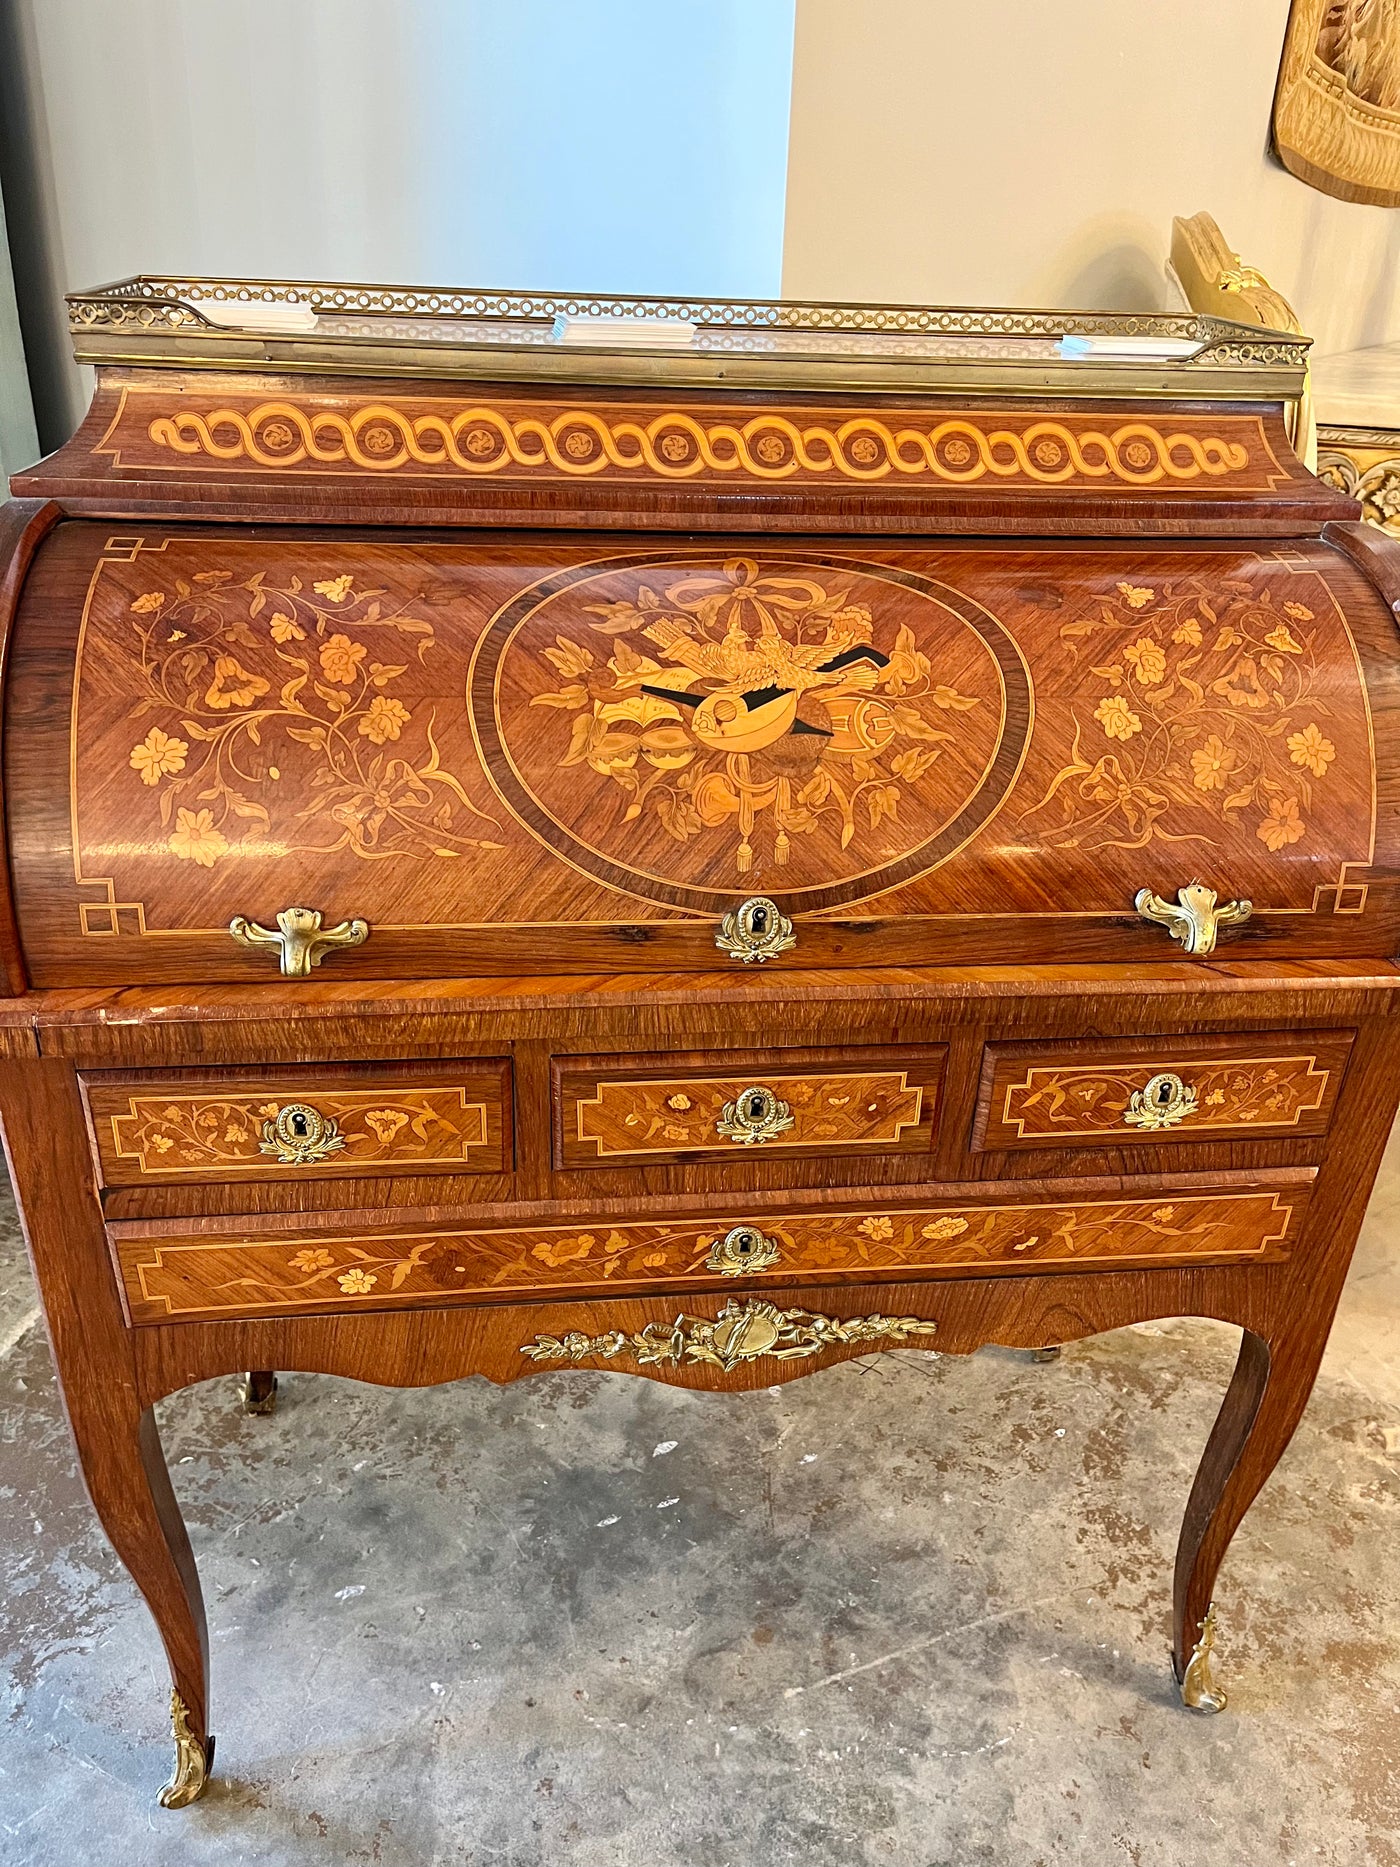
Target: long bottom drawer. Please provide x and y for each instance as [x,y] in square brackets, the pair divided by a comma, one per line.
[259,1271]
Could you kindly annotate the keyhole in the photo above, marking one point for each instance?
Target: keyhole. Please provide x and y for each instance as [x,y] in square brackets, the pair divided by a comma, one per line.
[1164,1094]
[299,1126]
[743,1244]
[756,1108]
[758,921]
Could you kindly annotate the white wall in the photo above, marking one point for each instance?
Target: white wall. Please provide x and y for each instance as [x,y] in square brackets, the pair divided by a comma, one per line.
[1033,152]
[633,145]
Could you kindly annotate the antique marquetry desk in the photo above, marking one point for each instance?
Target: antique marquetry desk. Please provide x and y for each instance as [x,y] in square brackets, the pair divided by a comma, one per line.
[701,859]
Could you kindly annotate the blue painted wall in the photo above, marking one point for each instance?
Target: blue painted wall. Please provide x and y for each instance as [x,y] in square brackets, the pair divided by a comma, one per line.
[624,145]
[594,145]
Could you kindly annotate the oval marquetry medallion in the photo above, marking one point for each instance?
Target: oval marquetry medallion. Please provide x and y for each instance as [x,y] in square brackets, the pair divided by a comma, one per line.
[683,729]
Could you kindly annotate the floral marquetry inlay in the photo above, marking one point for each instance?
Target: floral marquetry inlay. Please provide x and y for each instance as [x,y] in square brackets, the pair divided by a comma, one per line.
[696,723]
[1208,709]
[481,738]
[241,673]
[245,1275]
[1255,1092]
[171,1134]
[634,1117]
[1264,1090]
[733,698]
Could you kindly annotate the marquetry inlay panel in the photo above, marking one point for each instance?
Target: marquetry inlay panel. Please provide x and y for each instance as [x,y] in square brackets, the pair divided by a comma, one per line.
[329,1270]
[217,1132]
[708,442]
[455,742]
[683,1115]
[1092,1094]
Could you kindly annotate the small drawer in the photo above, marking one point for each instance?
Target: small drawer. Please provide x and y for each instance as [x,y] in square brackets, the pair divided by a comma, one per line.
[628,1110]
[263,1270]
[1101,1093]
[152,1127]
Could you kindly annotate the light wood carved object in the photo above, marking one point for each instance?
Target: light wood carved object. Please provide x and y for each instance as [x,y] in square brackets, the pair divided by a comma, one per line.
[1337,105]
[1215,280]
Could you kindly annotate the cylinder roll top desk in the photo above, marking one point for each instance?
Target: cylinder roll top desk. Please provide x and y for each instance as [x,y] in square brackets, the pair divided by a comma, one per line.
[785,833]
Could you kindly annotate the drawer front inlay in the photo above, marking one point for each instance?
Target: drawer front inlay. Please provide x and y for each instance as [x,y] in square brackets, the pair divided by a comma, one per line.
[1263,1084]
[329,1271]
[757,1106]
[294,1126]
[679,1117]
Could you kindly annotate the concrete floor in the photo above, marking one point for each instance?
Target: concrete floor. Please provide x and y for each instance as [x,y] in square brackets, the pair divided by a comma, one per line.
[911,1611]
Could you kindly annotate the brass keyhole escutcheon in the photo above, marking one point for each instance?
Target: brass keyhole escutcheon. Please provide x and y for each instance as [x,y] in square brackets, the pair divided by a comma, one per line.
[755,931]
[1163,1101]
[756,1114]
[742,1249]
[298,1134]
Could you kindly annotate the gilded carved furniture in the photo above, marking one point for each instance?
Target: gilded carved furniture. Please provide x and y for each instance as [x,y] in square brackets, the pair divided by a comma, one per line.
[1346,422]
[1358,439]
[1215,280]
[856,831]
[1336,117]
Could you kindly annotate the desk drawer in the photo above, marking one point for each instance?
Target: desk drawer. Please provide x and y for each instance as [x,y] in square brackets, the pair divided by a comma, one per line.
[619,1111]
[152,1127]
[1257,1085]
[265,1269]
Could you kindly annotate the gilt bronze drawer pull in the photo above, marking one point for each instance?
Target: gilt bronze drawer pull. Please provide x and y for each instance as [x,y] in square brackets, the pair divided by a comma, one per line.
[1193,918]
[742,1249]
[301,940]
[755,1115]
[299,1134]
[755,930]
[1164,1101]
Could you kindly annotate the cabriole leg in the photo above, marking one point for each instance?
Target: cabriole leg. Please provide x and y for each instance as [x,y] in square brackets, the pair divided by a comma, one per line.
[130,1489]
[1262,1406]
[118,1446]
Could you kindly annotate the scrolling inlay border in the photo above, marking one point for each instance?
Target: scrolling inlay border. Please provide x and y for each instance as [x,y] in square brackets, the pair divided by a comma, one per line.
[431,437]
